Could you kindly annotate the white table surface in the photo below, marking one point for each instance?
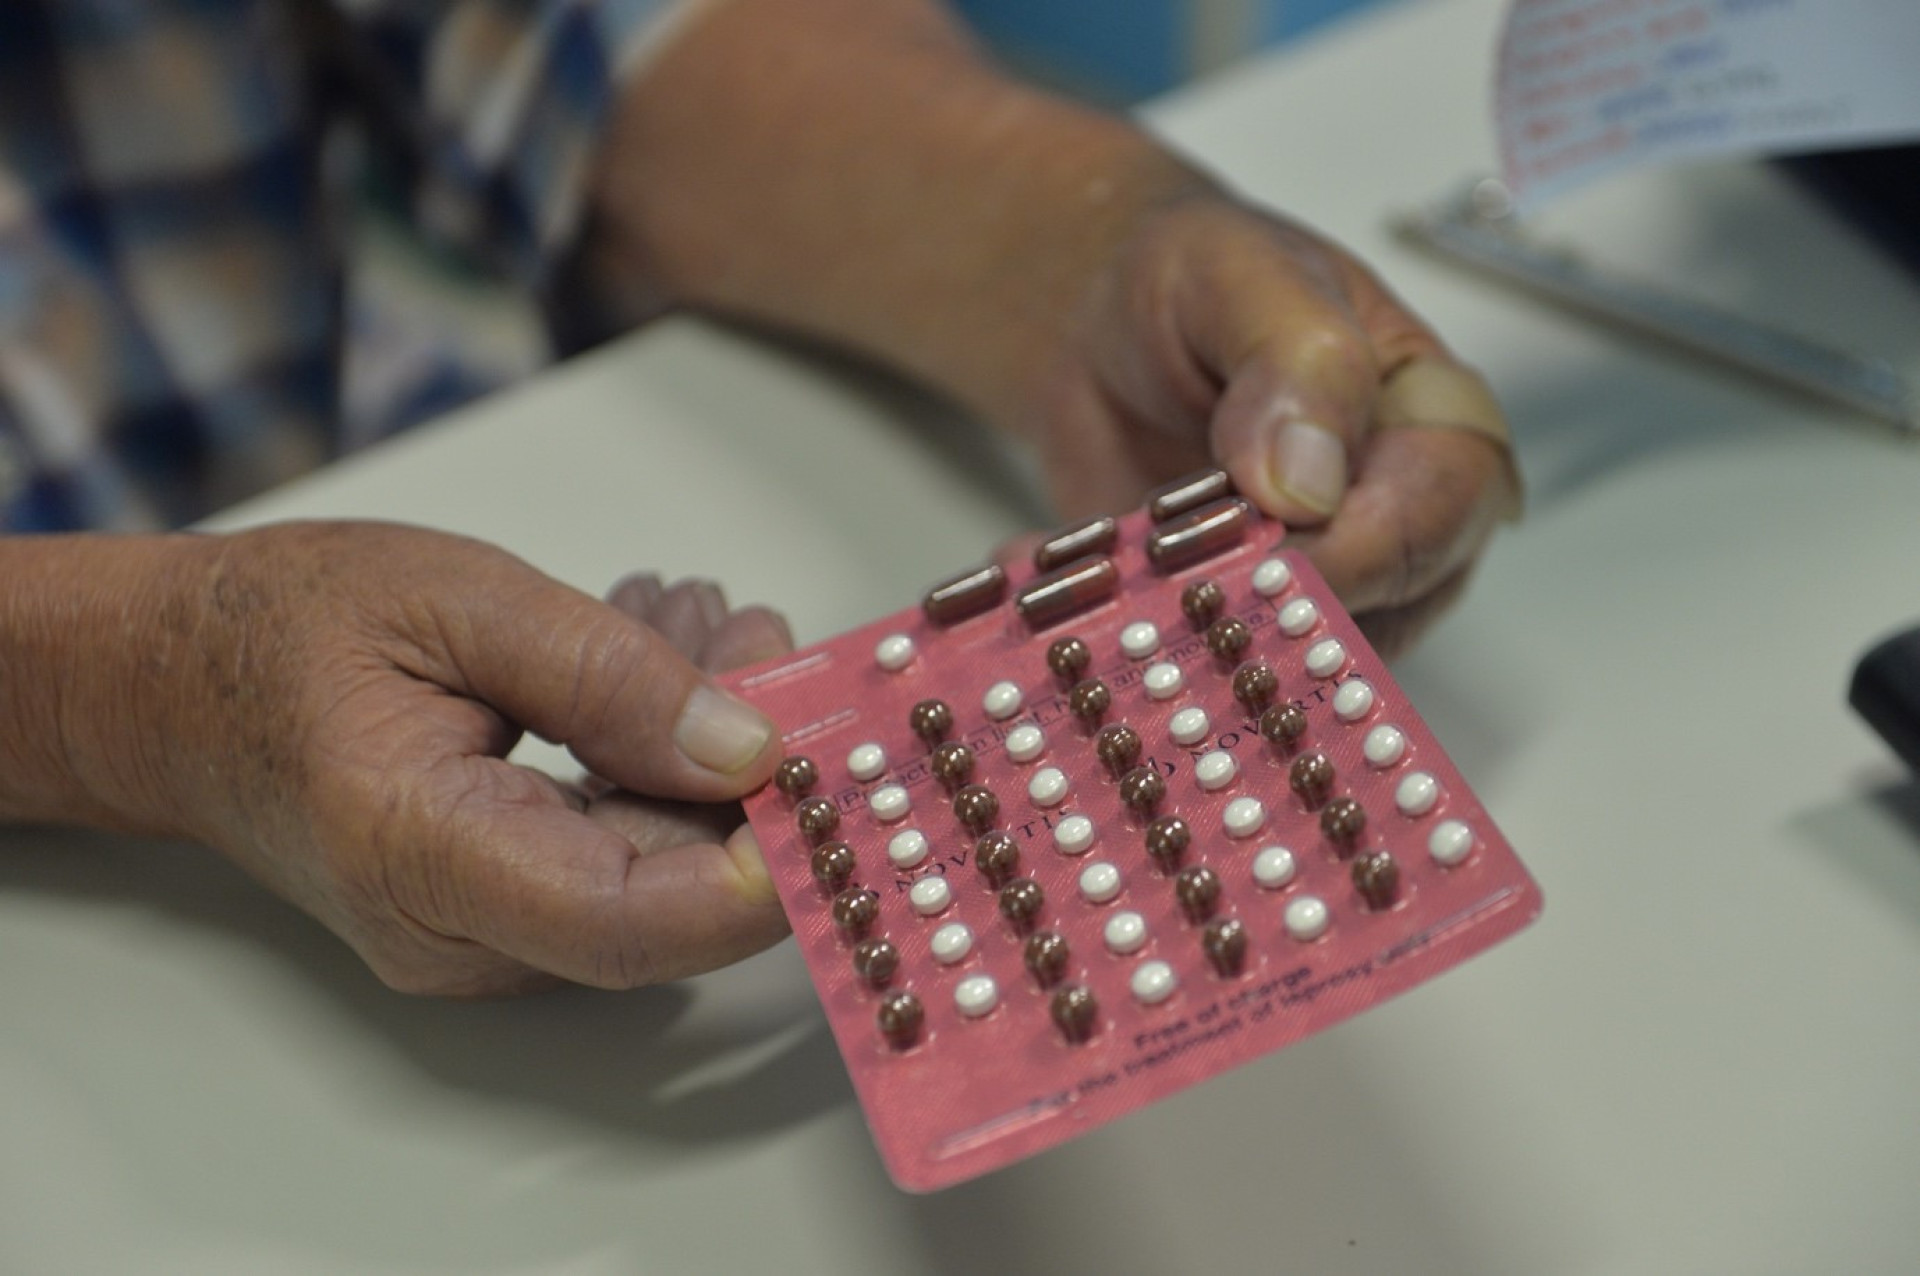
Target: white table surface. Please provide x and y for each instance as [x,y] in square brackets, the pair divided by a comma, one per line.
[1703,1058]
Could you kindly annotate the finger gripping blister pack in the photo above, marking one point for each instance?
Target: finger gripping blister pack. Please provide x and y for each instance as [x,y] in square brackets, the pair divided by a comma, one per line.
[1069,837]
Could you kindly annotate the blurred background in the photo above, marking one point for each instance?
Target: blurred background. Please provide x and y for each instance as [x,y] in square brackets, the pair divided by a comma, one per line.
[1119,51]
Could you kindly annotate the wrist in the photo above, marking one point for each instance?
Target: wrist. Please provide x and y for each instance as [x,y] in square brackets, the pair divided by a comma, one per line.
[872,181]
[96,633]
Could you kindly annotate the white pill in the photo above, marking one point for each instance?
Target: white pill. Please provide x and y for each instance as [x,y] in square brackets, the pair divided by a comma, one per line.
[1074,835]
[1002,701]
[1417,794]
[1163,681]
[1385,745]
[1026,742]
[1273,867]
[930,896]
[1272,576]
[1244,817]
[976,995]
[1190,725]
[1099,882]
[908,848]
[1048,787]
[894,652]
[1306,917]
[1153,982]
[889,802]
[866,761]
[1354,700]
[1125,932]
[1450,842]
[951,943]
[1141,638]
[1215,770]
[1326,658]
[1298,616]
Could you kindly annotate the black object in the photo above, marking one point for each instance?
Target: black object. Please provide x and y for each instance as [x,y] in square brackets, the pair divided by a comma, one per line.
[1886,692]
[1876,188]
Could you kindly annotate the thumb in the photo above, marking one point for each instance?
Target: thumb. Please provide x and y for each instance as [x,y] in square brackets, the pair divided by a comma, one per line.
[584,674]
[1300,381]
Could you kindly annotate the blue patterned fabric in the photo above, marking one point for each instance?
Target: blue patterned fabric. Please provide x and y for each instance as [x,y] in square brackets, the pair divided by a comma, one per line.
[172,193]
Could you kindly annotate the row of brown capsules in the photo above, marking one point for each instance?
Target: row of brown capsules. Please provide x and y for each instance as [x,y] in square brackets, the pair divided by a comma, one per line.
[1195,517]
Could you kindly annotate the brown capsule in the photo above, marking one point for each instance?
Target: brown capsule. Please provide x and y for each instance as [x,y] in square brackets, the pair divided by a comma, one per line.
[931,720]
[1090,701]
[1255,684]
[901,1017]
[1283,725]
[1118,748]
[997,856]
[976,808]
[796,777]
[967,594]
[1343,820]
[1069,658]
[833,865]
[1075,1012]
[1198,890]
[817,818]
[875,960]
[1021,902]
[1096,535]
[1376,876]
[1203,602]
[1228,639]
[856,910]
[1225,943]
[1046,954]
[1191,491]
[1142,790]
[1067,592]
[1167,840]
[952,765]
[1209,530]
[1312,779]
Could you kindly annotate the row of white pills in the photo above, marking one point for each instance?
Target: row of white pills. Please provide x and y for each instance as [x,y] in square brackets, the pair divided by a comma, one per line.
[1152,982]
[1100,882]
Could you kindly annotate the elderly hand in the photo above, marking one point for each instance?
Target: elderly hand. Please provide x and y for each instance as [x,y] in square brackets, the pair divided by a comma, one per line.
[332,705]
[857,171]
[1210,332]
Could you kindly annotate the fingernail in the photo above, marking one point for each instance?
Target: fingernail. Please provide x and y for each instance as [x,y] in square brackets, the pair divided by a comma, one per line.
[743,848]
[1310,466]
[719,732]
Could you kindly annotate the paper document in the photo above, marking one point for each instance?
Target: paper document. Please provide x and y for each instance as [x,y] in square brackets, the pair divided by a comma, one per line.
[1586,87]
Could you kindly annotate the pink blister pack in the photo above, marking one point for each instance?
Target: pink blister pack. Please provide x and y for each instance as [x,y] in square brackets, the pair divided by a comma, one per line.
[1073,835]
